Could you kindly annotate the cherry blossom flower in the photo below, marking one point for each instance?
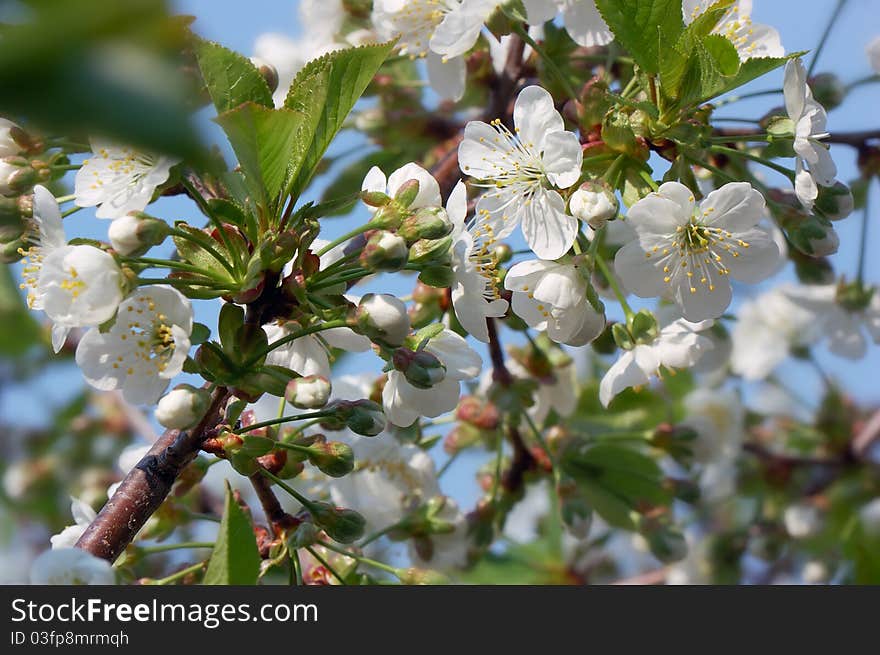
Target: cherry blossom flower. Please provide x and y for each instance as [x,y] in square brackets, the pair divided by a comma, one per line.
[9,147]
[474,294]
[552,296]
[768,327]
[405,403]
[144,349]
[750,39]
[843,326]
[517,167]
[43,233]
[78,286]
[688,253]
[118,179]
[813,163]
[449,550]
[581,18]
[71,566]
[678,345]
[83,515]
[439,31]
[308,354]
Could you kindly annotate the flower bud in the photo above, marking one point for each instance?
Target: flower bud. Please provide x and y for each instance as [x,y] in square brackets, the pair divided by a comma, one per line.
[835,202]
[136,232]
[385,251]
[309,392]
[407,193]
[306,534]
[363,417]
[421,368]
[333,458]
[594,203]
[814,238]
[12,139]
[383,318]
[375,198]
[182,407]
[481,414]
[430,251]
[828,90]
[268,72]
[16,176]
[643,327]
[426,223]
[342,525]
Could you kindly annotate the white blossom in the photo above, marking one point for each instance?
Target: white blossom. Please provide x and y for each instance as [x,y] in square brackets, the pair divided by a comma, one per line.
[308,354]
[552,296]
[678,345]
[767,327]
[404,403]
[145,347]
[516,169]
[118,179]
[449,550]
[474,294]
[557,393]
[182,407]
[750,39]
[44,233]
[71,566]
[813,163]
[688,253]
[581,18]
[83,515]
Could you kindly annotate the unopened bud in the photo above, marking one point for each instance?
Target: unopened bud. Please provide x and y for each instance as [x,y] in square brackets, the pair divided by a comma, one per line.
[385,251]
[383,318]
[828,90]
[9,144]
[333,458]
[430,251]
[835,202]
[375,198]
[421,368]
[136,232]
[363,417]
[305,535]
[182,407]
[594,203]
[16,176]
[267,71]
[407,193]
[426,223]
[813,237]
[309,392]
[342,525]
[480,414]
[643,327]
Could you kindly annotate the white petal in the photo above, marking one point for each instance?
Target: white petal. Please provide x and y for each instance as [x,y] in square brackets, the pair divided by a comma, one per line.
[694,297]
[562,158]
[624,373]
[735,207]
[458,31]
[374,180]
[548,230]
[462,361]
[757,262]
[641,274]
[346,339]
[535,116]
[448,77]
[584,23]
[657,215]
[794,88]
[429,189]
[540,11]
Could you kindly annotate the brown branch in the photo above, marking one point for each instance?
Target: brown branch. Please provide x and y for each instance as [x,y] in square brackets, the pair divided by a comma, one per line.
[275,514]
[146,486]
[782,459]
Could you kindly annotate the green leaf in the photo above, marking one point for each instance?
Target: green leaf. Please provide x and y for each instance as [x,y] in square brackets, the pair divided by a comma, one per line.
[749,70]
[97,67]
[194,254]
[265,141]
[235,560]
[231,78]
[639,24]
[718,62]
[325,91]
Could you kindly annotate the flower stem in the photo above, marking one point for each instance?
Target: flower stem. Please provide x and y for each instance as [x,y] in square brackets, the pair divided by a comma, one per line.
[305,502]
[548,61]
[174,577]
[204,245]
[359,558]
[162,548]
[755,158]
[317,327]
[834,15]
[612,282]
[325,563]
[863,244]
[283,419]
[345,237]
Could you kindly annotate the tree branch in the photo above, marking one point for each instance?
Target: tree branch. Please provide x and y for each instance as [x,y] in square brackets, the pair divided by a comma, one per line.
[146,486]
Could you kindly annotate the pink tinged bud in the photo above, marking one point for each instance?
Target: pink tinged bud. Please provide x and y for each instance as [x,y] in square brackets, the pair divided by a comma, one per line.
[363,417]
[384,251]
[407,193]
[309,392]
[182,407]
